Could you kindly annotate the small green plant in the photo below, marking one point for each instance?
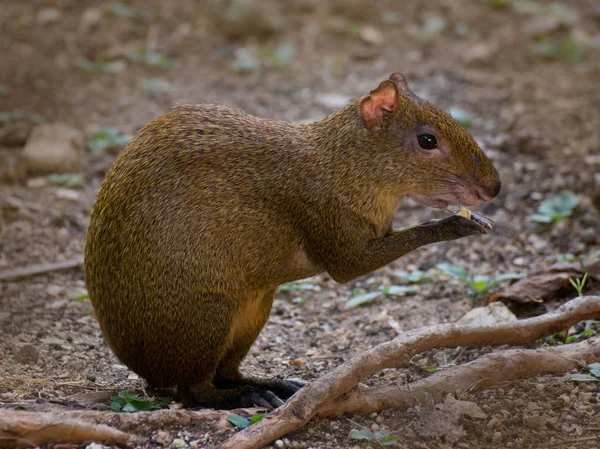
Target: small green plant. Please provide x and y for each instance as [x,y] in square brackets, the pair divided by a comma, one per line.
[568,50]
[415,276]
[297,286]
[383,437]
[122,10]
[150,58]
[128,402]
[462,116]
[82,298]
[101,66]
[241,422]
[107,138]
[497,3]
[20,114]
[571,338]
[70,180]
[282,56]
[477,284]
[579,283]
[391,290]
[568,258]
[556,208]
[594,375]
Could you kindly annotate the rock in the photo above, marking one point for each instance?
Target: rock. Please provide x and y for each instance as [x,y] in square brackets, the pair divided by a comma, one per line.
[493,313]
[54,148]
[374,427]
[332,101]
[279,444]
[162,437]
[534,421]
[15,134]
[67,194]
[49,15]
[90,18]
[371,35]
[179,443]
[27,354]
[246,18]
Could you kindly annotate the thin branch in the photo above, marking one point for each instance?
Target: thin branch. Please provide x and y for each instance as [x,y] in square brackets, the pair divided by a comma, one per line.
[34,270]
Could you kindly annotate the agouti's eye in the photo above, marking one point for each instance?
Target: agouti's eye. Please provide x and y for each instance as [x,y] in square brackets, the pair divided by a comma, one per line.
[427,141]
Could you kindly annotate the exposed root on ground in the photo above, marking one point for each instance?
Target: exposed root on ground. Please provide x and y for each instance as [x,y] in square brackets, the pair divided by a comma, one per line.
[315,396]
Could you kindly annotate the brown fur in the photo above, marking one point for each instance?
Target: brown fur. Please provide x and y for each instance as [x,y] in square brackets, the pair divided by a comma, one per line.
[209,209]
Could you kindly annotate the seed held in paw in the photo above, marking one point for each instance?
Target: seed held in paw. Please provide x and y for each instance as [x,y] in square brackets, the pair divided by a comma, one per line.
[480,219]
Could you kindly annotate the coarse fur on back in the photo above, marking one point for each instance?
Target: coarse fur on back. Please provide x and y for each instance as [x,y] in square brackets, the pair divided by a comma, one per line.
[208,209]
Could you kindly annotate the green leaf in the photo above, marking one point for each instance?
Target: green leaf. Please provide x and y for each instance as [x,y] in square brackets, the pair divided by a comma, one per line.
[541,218]
[122,10]
[107,138]
[509,276]
[431,369]
[453,271]
[257,418]
[362,299]
[461,116]
[101,66]
[293,286]
[81,298]
[565,258]
[584,378]
[481,283]
[70,180]
[568,50]
[238,421]
[385,439]
[414,276]
[399,290]
[361,435]
[594,368]
[283,55]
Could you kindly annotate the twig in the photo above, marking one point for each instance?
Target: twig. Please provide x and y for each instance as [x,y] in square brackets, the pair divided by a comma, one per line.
[307,402]
[485,372]
[564,443]
[34,270]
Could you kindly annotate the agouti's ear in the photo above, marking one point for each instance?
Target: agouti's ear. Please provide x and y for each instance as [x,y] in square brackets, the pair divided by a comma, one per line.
[401,82]
[377,108]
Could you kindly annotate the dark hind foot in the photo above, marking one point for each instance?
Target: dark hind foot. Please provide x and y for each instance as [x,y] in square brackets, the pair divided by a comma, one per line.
[284,389]
[237,395]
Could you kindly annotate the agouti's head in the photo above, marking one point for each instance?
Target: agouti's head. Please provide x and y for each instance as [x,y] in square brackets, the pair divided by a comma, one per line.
[431,155]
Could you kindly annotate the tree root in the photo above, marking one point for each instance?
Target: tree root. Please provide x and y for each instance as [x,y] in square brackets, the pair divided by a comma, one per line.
[29,429]
[307,402]
[485,372]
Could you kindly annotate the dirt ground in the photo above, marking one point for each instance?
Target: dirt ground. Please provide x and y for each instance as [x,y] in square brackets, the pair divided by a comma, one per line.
[536,115]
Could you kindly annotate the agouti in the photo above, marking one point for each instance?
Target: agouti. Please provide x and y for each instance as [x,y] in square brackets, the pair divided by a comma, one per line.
[209,209]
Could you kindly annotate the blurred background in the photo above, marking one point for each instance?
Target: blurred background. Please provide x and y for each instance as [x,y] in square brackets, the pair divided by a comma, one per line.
[79,77]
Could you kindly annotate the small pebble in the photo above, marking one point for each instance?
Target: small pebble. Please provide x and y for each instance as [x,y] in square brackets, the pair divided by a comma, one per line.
[379,419]
[374,427]
[299,362]
[497,437]
[373,415]
[279,444]
[27,354]
[179,443]
[162,437]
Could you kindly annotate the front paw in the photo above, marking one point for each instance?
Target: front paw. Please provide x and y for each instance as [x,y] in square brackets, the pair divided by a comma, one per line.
[455,227]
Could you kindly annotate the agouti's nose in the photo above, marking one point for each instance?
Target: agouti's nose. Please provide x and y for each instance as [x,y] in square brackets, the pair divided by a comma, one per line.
[487,193]
[494,191]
